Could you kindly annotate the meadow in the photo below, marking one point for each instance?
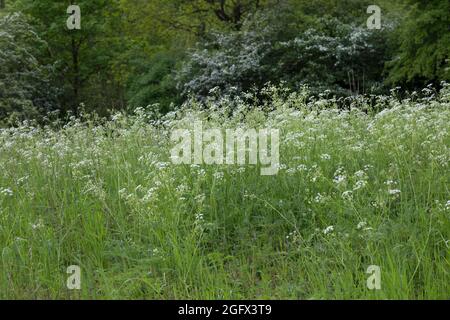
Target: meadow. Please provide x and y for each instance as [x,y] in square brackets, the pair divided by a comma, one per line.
[356,187]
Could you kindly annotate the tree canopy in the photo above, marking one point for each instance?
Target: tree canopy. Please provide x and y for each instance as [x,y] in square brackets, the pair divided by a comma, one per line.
[131,53]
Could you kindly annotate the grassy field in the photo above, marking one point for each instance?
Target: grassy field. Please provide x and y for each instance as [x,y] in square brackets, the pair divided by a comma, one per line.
[354,189]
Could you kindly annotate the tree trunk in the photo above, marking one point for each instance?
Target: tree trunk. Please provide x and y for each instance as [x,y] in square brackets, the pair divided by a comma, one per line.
[76,76]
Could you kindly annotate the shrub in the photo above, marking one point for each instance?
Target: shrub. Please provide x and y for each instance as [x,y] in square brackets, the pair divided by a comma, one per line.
[342,58]
[26,89]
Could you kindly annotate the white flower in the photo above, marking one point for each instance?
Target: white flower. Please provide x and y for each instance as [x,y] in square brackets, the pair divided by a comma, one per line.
[116,117]
[360,174]
[361,225]
[200,198]
[294,237]
[339,179]
[447,205]
[360,184]
[389,182]
[240,170]
[318,198]
[347,195]
[199,217]
[218,175]
[325,156]
[290,171]
[22,180]
[394,191]
[248,195]
[149,195]
[181,188]
[162,165]
[328,230]
[37,225]
[6,192]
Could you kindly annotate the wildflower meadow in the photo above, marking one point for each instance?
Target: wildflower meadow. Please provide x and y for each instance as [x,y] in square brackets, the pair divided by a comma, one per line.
[356,189]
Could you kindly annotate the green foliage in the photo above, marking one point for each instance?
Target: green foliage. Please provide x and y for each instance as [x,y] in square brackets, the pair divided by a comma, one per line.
[154,84]
[342,58]
[26,84]
[423,54]
[124,56]
[191,18]
[85,56]
[228,61]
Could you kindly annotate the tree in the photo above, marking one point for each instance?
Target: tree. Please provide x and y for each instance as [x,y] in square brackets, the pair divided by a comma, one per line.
[26,84]
[423,44]
[154,84]
[342,58]
[85,56]
[191,17]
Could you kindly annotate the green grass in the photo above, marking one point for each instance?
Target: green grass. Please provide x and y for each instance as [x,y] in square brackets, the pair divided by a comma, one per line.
[107,198]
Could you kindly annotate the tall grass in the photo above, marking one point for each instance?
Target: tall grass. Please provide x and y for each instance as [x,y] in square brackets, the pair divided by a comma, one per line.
[354,189]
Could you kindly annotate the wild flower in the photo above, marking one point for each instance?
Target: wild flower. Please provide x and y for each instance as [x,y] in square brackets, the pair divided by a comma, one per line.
[149,195]
[359,184]
[361,225]
[199,222]
[200,198]
[181,188]
[37,225]
[198,217]
[155,251]
[248,195]
[293,238]
[347,195]
[218,175]
[6,192]
[291,171]
[339,179]
[394,191]
[23,179]
[360,174]
[390,182]
[325,156]
[123,193]
[240,170]
[162,165]
[157,183]
[319,198]
[328,230]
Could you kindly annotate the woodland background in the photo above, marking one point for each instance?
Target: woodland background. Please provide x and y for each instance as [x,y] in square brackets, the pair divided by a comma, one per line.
[155,54]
